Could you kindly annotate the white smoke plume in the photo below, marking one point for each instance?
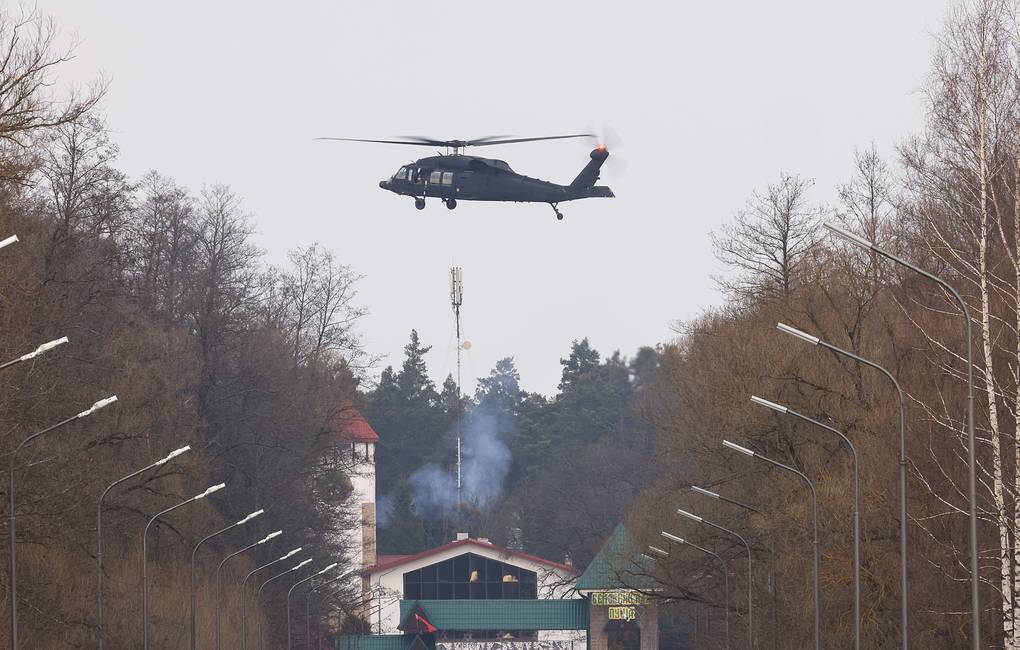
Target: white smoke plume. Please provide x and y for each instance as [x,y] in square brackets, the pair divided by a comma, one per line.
[485,463]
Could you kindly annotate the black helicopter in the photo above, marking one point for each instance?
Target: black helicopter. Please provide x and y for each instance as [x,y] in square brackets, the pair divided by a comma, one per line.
[454,176]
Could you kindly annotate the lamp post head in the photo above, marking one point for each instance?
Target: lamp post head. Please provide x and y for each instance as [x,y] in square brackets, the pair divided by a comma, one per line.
[330,567]
[44,348]
[7,242]
[269,537]
[308,561]
[291,553]
[767,404]
[736,447]
[839,231]
[98,405]
[215,488]
[689,515]
[658,551]
[793,331]
[674,538]
[174,454]
[707,493]
[250,517]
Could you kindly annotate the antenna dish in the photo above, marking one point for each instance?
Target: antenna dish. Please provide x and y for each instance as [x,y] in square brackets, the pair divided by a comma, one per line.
[466,345]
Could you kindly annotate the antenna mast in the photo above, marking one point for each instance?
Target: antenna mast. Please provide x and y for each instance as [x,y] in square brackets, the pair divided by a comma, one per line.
[456,300]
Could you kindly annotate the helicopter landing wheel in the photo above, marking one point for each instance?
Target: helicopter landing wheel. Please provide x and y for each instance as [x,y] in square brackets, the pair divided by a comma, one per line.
[451,204]
[419,203]
[559,215]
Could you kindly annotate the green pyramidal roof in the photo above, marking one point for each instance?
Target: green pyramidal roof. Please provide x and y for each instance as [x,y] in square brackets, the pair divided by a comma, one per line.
[619,565]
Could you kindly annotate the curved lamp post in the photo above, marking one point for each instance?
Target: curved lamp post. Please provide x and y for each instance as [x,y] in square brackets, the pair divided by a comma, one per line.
[145,566]
[814,340]
[4,243]
[726,573]
[975,578]
[244,584]
[258,594]
[308,599]
[779,408]
[34,353]
[219,582]
[814,527]
[750,574]
[772,555]
[11,515]
[99,532]
[194,553]
[291,591]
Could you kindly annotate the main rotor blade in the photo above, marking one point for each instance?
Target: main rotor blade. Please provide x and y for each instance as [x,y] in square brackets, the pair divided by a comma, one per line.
[419,143]
[484,142]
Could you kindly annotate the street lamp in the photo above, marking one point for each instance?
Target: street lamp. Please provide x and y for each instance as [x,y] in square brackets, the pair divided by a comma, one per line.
[772,555]
[258,594]
[34,353]
[750,574]
[145,573]
[11,515]
[194,553]
[4,243]
[99,532]
[219,583]
[975,581]
[779,408]
[308,599]
[814,340]
[291,591]
[244,584]
[814,526]
[726,573]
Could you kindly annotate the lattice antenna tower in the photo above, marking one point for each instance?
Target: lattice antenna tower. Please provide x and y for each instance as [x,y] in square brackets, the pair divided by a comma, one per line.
[456,300]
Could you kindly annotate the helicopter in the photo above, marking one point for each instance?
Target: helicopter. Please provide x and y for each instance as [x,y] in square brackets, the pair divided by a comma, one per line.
[454,176]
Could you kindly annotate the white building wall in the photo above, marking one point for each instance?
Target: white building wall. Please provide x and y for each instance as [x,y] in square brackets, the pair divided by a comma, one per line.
[360,541]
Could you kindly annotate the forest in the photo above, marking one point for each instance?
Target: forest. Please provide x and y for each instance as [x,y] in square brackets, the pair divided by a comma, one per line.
[169,305]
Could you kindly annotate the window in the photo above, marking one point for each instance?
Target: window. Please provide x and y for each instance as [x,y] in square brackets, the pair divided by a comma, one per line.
[470,577]
[447,178]
[401,174]
[435,178]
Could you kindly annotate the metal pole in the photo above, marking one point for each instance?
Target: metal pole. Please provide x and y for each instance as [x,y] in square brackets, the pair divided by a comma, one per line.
[857,505]
[904,591]
[975,579]
[219,581]
[291,591]
[244,584]
[750,574]
[814,526]
[194,553]
[99,535]
[12,533]
[145,554]
[263,586]
[726,576]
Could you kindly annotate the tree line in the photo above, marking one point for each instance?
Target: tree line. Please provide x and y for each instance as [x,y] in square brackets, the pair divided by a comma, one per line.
[168,303]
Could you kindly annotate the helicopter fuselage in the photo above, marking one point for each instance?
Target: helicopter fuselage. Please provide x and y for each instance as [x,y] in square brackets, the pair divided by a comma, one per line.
[459,177]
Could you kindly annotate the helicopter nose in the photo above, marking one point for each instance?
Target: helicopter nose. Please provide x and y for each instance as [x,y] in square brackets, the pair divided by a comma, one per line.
[384,184]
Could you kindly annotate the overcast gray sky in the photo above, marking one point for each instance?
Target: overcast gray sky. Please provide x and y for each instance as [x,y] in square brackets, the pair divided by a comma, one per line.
[710,99]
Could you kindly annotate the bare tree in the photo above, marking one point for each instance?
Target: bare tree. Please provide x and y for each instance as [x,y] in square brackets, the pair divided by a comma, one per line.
[30,54]
[769,241]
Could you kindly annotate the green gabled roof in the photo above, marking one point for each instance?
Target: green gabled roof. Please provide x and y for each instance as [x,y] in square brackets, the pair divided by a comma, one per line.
[509,614]
[619,565]
[381,642]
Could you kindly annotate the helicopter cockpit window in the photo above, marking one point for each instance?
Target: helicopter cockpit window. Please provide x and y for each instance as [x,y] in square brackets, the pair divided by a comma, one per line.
[401,174]
[435,178]
[447,178]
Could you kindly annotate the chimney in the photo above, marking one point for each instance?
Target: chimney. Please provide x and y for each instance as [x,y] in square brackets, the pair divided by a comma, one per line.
[484,540]
[462,536]
[567,560]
